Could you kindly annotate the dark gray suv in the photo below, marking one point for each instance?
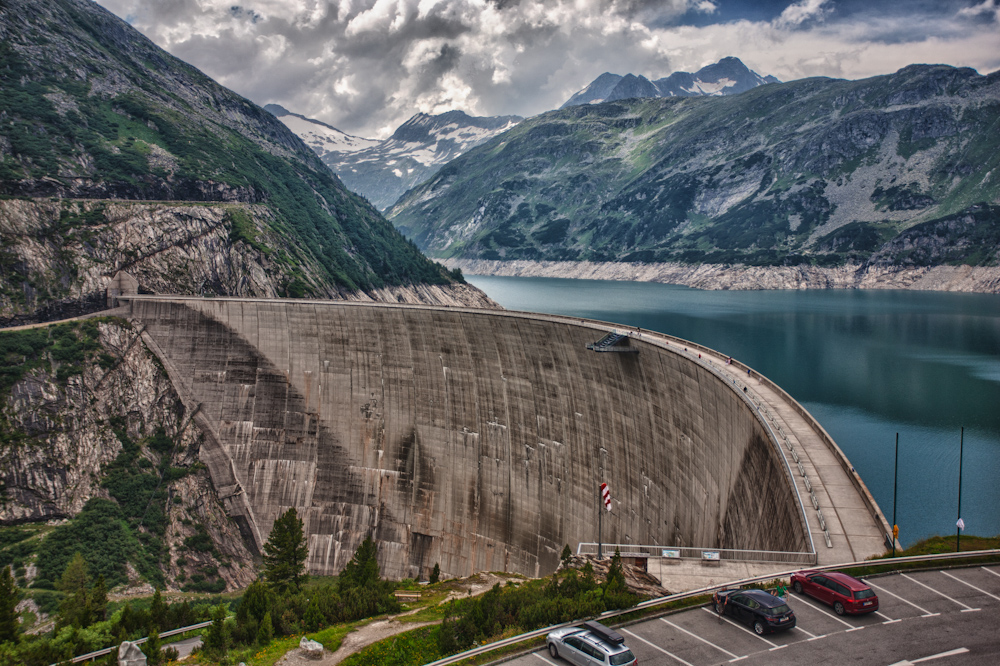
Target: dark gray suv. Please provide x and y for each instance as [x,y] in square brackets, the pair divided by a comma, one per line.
[592,644]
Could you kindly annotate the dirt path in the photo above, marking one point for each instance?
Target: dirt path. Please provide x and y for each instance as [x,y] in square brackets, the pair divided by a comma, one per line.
[354,641]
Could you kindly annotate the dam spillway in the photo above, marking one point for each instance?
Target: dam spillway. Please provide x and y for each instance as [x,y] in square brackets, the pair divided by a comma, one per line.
[475,439]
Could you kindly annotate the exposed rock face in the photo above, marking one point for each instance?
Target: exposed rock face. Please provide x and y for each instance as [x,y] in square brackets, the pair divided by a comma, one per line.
[65,438]
[60,255]
[707,276]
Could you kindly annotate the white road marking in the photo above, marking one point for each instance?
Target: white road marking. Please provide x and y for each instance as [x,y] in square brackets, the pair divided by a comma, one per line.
[949,653]
[741,627]
[547,661]
[922,610]
[888,620]
[965,606]
[970,585]
[832,617]
[990,571]
[656,647]
[707,642]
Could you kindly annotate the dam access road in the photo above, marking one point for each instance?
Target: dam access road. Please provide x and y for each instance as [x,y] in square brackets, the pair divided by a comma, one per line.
[477,439]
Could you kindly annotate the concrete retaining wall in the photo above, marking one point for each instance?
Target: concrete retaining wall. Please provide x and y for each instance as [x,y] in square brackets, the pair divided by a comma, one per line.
[472,439]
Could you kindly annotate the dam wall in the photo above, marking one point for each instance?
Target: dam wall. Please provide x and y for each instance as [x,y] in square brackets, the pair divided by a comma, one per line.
[475,439]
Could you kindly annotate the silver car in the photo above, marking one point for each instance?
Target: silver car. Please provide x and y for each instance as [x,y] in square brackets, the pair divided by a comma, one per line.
[592,644]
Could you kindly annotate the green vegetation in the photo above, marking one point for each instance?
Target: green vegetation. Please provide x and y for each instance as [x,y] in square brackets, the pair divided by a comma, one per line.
[285,554]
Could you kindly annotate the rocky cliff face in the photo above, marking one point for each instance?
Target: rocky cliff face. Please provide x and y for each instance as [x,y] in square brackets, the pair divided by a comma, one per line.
[67,427]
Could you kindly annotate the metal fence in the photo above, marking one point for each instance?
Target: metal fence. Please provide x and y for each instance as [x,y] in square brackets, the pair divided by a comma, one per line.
[687,553]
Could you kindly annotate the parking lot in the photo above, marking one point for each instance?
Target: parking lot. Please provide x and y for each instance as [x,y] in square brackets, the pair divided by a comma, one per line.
[947,616]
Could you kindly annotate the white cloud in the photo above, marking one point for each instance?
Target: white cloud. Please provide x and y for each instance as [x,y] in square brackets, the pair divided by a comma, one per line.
[989,8]
[800,12]
[365,66]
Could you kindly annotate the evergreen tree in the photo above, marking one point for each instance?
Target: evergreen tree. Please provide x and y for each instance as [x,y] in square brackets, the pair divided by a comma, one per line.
[97,603]
[159,612]
[75,608]
[285,553]
[363,569]
[153,649]
[615,581]
[255,603]
[265,632]
[435,573]
[217,639]
[9,598]
[566,554]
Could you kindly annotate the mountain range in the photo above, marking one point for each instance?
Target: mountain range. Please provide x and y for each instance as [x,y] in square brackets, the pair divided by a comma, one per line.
[729,76]
[382,171]
[897,169]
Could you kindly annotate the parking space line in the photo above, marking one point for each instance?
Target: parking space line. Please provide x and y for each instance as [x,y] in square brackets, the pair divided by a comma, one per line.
[707,642]
[816,638]
[967,607]
[804,631]
[832,617]
[990,571]
[551,663]
[657,647]
[888,620]
[739,626]
[970,585]
[922,610]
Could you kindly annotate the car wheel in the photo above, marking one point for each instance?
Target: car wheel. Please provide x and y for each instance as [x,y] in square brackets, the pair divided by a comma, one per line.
[553,651]
[838,608]
[758,627]
[797,587]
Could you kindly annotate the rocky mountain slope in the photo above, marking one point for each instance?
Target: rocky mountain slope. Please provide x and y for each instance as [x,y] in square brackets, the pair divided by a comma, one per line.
[898,170]
[382,171]
[729,76]
[93,111]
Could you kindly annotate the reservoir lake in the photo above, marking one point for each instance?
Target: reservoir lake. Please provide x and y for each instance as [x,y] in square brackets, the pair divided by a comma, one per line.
[866,364]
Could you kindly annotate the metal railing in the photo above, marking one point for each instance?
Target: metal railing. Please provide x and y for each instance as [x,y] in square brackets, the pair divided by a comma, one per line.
[652,603]
[138,641]
[689,552]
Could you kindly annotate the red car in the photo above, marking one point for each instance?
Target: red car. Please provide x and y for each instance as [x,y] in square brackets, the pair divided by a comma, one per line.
[845,593]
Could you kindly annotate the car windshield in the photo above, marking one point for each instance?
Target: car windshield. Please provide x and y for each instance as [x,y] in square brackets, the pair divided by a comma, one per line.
[863,594]
[625,657]
[777,610]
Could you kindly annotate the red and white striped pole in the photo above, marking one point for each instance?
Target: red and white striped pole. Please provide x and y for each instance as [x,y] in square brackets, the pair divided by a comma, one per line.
[605,497]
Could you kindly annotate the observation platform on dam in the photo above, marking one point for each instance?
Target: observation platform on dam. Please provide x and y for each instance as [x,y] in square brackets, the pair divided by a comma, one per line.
[476,438]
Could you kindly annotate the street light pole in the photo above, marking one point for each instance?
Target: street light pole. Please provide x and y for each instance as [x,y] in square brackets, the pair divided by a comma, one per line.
[958,526]
[895,477]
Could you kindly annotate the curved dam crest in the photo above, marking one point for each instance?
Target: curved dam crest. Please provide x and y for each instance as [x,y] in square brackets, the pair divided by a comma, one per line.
[470,438]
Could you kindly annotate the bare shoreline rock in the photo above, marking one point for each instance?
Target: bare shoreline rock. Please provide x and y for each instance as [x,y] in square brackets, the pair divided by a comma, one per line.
[978,279]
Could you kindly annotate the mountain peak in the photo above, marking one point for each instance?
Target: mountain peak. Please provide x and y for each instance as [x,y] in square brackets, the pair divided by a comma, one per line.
[729,76]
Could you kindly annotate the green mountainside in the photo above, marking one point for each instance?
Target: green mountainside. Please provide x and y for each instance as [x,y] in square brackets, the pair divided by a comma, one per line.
[899,169]
[90,109]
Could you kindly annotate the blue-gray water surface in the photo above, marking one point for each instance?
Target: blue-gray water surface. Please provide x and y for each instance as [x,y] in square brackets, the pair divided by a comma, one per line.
[866,364]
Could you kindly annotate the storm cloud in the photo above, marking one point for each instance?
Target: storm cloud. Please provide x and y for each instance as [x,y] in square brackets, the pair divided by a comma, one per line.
[365,66]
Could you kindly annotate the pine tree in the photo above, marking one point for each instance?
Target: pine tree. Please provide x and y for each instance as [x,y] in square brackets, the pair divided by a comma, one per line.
[75,608]
[285,553]
[435,573]
[363,569]
[566,554]
[9,598]
[265,632]
[97,602]
[153,649]
[158,611]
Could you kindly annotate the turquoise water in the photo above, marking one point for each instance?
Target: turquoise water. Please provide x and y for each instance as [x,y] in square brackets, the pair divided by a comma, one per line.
[866,364]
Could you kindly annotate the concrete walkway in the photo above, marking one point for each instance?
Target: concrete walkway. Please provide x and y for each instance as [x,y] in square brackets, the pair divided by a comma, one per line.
[853,521]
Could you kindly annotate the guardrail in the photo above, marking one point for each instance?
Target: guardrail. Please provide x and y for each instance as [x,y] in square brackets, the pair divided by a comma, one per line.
[652,603]
[138,641]
[689,552]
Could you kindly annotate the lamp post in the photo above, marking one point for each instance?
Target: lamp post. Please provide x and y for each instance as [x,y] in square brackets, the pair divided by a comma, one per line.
[959,523]
[895,477]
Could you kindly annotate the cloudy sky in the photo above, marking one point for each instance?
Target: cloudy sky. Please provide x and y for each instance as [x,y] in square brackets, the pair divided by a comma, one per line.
[365,66]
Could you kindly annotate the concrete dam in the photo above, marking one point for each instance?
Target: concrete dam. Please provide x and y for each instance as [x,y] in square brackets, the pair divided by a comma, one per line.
[476,439]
